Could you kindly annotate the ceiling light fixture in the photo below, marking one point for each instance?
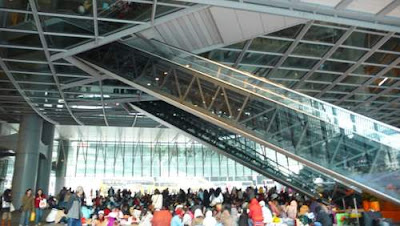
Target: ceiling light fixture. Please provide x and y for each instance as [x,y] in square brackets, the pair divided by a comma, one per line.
[383,81]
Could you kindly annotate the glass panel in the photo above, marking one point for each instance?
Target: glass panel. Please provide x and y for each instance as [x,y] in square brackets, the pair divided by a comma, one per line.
[20,39]
[323,34]
[238,46]
[259,59]
[82,8]
[367,70]
[334,138]
[128,11]
[290,32]
[334,66]
[269,45]
[306,49]
[382,58]
[392,44]
[61,42]
[317,76]
[23,54]
[67,25]
[17,21]
[281,73]
[361,39]
[224,56]
[348,54]
[299,63]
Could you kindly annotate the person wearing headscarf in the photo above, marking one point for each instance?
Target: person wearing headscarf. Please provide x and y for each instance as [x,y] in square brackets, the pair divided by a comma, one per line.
[177,219]
[198,218]
[267,215]
[226,218]
[209,220]
[291,210]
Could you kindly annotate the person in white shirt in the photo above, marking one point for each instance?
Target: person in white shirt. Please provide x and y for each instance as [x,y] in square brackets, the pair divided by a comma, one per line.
[157,200]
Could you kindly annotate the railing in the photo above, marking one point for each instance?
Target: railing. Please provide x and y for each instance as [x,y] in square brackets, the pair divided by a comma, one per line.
[347,120]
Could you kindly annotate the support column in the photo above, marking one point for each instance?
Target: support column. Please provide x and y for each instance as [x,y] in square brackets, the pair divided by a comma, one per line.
[62,160]
[27,157]
[45,161]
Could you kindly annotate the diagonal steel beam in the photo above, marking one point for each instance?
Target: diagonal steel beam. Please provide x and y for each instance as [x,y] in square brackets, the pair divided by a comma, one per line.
[82,82]
[102,103]
[325,57]
[22,92]
[294,44]
[371,80]
[242,53]
[357,64]
[47,54]
[389,8]
[343,4]
[397,100]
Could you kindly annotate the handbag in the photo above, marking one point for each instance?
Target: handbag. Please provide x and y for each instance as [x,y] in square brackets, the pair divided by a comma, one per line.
[12,208]
[33,216]
[43,204]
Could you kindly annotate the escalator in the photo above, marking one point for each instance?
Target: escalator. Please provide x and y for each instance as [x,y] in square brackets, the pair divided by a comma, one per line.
[238,148]
[351,148]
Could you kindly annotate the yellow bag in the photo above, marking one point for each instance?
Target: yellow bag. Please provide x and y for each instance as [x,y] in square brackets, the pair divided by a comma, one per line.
[33,216]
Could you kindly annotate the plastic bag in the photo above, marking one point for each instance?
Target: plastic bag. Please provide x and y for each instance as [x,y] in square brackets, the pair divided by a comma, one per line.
[33,216]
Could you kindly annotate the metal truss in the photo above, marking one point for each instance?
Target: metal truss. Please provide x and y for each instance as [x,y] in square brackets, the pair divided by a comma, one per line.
[311,11]
[47,54]
[221,94]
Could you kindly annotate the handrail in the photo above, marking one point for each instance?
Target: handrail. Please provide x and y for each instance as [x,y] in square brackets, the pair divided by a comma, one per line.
[383,130]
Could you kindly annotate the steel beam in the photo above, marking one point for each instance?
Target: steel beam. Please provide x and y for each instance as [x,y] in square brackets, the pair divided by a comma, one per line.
[309,11]
[376,96]
[47,54]
[381,42]
[120,34]
[389,8]
[343,4]
[22,93]
[242,53]
[325,57]
[102,103]
[289,51]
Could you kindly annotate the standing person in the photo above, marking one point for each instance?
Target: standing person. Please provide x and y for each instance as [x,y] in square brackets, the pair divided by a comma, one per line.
[40,204]
[256,213]
[291,210]
[157,200]
[209,220]
[27,207]
[177,219]
[74,208]
[267,215]
[6,200]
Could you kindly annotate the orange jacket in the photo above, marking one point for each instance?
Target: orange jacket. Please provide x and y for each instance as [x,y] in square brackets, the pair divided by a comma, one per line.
[161,218]
[255,210]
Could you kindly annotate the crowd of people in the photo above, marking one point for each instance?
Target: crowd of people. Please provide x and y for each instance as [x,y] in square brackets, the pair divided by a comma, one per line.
[208,207]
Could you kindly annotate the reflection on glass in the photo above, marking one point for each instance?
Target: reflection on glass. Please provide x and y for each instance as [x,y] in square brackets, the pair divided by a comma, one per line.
[290,32]
[361,39]
[20,39]
[297,62]
[367,70]
[323,34]
[326,77]
[334,66]
[16,20]
[23,54]
[67,25]
[269,45]
[306,49]
[382,58]
[393,44]
[348,54]
[260,59]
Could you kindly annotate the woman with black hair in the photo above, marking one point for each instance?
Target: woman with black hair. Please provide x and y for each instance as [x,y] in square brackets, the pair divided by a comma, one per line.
[26,208]
[40,204]
[6,200]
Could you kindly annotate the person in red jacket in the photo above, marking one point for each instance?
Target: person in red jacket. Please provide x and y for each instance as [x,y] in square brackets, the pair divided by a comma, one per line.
[255,213]
[40,204]
[161,218]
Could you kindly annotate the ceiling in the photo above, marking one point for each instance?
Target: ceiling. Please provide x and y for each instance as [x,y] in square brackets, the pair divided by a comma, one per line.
[343,63]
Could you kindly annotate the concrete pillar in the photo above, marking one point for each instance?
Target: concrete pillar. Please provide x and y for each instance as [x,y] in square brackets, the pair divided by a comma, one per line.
[27,157]
[62,160]
[45,161]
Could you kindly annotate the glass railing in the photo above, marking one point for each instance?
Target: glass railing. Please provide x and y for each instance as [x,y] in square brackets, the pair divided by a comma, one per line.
[347,154]
[285,170]
[329,113]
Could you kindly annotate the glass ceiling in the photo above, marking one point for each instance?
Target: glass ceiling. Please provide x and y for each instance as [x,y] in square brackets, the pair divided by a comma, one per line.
[355,68]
